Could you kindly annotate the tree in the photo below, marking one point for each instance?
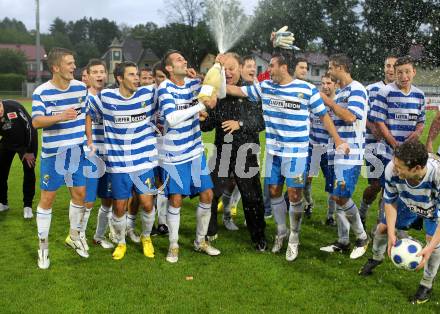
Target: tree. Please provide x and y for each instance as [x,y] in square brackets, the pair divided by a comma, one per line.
[188,12]
[12,61]
[14,32]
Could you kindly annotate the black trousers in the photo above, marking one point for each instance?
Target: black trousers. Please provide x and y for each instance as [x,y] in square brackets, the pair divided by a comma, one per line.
[251,195]
[6,158]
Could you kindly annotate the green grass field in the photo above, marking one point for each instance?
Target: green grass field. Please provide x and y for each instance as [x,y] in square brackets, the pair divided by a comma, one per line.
[239,280]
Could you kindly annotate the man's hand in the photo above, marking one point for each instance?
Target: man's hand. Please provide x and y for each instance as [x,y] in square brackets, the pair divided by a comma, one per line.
[326,99]
[425,254]
[429,147]
[414,136]
[230,126]
[68,114]
[191,73]
[211,102]
[342,147]
[203,115]
[30,159]
[221,58]
[391,242]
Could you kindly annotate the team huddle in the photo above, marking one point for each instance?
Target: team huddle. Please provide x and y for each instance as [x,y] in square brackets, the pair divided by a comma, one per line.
[140,147]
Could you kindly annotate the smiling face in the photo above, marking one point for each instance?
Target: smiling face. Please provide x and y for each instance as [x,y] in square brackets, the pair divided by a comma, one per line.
[276,70]
[249,70]
[130,81]
[97,77]
[403,171]
[65,68]
[389,69]
[405,74]
[178,65]
[146,78]
[232,70]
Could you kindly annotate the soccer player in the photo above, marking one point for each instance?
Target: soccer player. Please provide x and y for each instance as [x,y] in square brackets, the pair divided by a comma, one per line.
[372,140]
[249,69]
[97,75]
[350,114]
[130,144]
[398,111]
[287,103]
[58,107]
[182,152]
[318,154]
[146,77]
[17,136]
[85,77]
[301,69]
[411,197]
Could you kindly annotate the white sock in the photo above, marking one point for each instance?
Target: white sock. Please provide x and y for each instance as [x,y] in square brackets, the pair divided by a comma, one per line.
[173,222]
[343,226]
[119,225]
[147,222]
[296,211]
[235,197]
[131,221]
[44,217]
[102,221]
[431,268]
[75,213]
[162,206]
[352,213]
[203,217]
[279,209]
[85,219]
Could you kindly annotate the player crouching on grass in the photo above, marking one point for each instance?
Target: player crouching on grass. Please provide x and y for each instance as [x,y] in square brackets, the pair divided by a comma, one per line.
[130,145]
[411,196]
[58,107]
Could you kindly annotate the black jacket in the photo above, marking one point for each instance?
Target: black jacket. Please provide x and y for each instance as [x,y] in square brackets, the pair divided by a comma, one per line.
[16,131]
[239,109]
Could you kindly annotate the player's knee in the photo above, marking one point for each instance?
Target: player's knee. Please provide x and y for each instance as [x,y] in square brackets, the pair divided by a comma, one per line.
[206,196]
[176,201]
[275,191]
[381,229]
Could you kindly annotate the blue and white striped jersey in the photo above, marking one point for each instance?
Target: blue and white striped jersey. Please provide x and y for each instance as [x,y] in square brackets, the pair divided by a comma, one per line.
[372,90]
[318,133]
[97,128]
[47,100]
[182,142]
[129,135]
[286,112]
[400,112]
[423,199]
[352,97]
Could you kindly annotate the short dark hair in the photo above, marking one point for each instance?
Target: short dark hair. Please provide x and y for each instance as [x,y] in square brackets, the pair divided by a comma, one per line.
[391,55]
[301,59]
[286,57]
[327,75]
[120,69]
[412,153]
[166,60]
[159,67]
[341,59]
[55,55]
[145,69]
[94,62]
[248,58]
[404,60]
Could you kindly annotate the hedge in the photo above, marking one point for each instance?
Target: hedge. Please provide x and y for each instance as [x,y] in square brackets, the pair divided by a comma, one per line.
[11,81]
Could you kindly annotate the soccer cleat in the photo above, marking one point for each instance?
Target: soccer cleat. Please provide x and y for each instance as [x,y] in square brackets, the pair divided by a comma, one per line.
[83,239]
[336,247]
[229,224]
[211,238]
[147,246]
[205,247]
[120,251]
[422,295]
[367,269]
[133,236]
[77,245]
[261,246]
[308,208]
[3,207]
[43,259]
[154,231]
[103,242]
[278,243]
[220,206]
[173,254]
[267,215]
[162,229]
[330,222]
[27,213]
[360,248]
[234,210]
[292,251]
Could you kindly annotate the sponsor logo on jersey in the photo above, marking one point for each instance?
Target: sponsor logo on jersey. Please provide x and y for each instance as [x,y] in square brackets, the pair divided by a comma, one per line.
[12,115]
[285,104]
[406,117]
[130,118]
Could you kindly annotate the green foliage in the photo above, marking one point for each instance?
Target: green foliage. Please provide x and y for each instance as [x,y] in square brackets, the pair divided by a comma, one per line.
[14,32]
[11,81]
[12,61]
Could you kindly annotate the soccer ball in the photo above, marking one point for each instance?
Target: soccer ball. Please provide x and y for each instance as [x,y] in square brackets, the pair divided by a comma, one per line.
[403,254]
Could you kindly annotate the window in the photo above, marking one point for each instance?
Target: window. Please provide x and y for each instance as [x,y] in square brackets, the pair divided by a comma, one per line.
[315,72]
[116,55]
